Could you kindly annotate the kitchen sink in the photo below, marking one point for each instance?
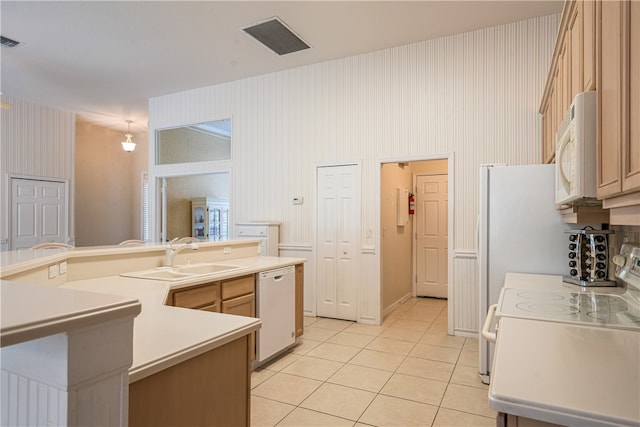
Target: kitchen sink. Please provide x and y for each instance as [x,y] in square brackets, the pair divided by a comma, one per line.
[206,268]
[182,272]
[158,274]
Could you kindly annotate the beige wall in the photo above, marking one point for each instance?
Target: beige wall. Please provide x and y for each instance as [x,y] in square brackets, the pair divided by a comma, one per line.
[107,185]
[186,144]
[396,241]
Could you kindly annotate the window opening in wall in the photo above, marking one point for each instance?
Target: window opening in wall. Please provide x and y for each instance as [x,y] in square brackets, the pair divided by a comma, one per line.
[200,142]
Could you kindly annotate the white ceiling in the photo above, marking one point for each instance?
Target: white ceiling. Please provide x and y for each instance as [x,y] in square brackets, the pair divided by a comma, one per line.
[104,59]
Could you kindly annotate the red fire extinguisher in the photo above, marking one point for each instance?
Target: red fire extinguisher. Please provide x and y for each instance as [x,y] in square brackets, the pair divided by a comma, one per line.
[412,204]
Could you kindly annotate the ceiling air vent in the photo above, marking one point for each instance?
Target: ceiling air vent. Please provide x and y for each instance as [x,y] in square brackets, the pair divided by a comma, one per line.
[275,35]
[7,42]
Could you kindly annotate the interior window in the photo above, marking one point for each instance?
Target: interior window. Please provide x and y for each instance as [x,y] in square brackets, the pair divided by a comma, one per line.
[201,142]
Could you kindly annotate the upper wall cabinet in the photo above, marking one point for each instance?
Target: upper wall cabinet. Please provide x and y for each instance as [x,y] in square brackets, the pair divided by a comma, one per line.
[573,69]
[618,81]
[598,48]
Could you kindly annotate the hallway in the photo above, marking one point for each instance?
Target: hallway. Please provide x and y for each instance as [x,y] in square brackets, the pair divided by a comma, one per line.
[406,372]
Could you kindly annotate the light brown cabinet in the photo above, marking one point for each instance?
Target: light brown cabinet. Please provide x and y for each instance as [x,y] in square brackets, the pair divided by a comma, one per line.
[572,69]
[618,80]
[238,297]
[212,389]
[588,65]
[598,48]
[202,297]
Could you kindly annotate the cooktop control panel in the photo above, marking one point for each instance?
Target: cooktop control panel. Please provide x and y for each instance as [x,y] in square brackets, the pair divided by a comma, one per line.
[627,264]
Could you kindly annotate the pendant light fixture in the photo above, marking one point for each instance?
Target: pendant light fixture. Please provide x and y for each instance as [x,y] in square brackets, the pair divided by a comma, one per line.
[128,145]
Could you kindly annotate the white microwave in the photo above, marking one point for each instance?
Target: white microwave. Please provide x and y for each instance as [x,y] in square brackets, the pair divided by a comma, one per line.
[576,152]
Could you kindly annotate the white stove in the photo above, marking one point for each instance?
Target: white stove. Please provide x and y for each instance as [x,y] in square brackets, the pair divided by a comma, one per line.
[605,310]
[593,308]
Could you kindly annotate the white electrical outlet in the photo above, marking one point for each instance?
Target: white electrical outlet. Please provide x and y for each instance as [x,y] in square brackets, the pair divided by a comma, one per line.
[63,267]
[226,250]
[53,271]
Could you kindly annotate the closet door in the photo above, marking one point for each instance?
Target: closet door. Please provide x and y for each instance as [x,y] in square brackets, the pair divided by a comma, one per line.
[338,230]
[38,212]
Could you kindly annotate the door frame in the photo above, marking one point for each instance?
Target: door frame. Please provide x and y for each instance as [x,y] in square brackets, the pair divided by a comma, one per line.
[450,229]
[6,243]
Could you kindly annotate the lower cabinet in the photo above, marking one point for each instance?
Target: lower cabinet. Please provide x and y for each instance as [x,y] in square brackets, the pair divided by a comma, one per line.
[235,296]
[232,296]
[211,389]
[238,297]
[201,297]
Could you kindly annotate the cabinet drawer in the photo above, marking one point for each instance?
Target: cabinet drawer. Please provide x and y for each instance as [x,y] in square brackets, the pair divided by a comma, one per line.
[212,307]
[197,297]
[236,287]
[241,306]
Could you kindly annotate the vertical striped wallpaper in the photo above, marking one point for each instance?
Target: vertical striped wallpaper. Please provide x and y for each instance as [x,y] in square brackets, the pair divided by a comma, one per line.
[474,94]
[36,140]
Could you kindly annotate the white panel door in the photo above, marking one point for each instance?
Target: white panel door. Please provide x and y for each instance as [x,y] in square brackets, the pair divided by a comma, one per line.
[38,212]
[338,228]
[431,235]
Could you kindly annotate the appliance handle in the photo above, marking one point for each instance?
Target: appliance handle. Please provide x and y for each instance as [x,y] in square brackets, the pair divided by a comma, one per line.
[486,328]
[564,142]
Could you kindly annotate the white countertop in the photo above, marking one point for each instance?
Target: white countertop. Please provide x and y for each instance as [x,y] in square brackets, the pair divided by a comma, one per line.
[163,335]
[562,373]
[30,312]
[566,374]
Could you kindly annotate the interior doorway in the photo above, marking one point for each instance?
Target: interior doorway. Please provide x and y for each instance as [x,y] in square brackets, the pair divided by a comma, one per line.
[400,248]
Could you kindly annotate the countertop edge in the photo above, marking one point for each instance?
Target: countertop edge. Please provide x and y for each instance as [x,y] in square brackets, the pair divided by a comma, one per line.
[154,366]
[553,415]
[88,312]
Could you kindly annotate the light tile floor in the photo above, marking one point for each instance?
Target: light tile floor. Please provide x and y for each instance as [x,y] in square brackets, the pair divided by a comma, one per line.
[405,372]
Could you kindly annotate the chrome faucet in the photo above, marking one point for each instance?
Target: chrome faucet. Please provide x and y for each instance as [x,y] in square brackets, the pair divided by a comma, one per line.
[171,252]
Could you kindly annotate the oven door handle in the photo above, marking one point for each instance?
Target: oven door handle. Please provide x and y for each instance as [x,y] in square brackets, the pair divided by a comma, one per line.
[486,328]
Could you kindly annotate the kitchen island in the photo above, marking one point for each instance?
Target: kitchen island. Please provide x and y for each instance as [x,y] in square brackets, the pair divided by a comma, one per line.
[188,366]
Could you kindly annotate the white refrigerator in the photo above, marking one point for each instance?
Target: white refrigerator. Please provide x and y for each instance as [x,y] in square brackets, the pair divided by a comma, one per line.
[519,230]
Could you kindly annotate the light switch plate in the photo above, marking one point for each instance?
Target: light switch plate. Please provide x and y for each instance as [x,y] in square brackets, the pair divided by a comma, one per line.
[63,267]
[226,250]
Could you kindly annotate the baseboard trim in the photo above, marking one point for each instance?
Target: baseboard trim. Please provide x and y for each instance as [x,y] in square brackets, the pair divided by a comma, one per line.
[396,304]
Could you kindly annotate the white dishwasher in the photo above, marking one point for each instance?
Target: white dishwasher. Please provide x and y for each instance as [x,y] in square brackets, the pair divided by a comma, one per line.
[276,310]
